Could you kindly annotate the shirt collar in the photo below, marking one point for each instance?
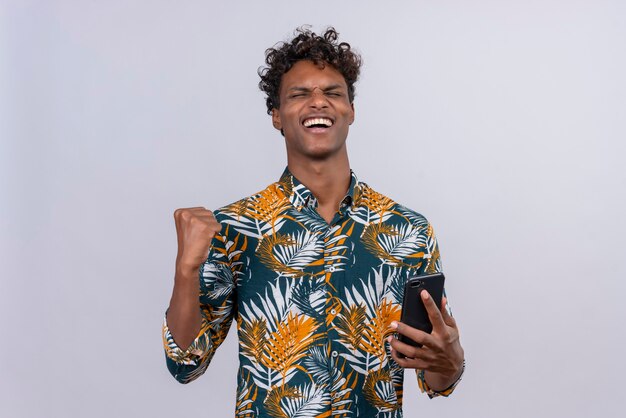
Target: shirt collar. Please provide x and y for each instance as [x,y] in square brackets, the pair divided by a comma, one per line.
[301,197]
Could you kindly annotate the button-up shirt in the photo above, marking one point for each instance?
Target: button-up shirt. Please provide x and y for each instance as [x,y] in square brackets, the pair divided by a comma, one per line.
[313,301]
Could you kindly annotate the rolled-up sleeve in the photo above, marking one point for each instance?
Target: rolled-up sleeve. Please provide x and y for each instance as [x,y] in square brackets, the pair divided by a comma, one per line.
[217,294]
[421,381]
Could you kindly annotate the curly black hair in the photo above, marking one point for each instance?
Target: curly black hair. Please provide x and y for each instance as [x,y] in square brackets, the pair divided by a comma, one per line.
[307,45]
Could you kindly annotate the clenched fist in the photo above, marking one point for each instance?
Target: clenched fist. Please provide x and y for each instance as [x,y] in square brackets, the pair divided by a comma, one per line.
[195,228]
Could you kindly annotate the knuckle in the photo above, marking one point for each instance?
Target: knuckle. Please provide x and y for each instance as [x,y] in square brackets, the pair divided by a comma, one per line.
[178,213]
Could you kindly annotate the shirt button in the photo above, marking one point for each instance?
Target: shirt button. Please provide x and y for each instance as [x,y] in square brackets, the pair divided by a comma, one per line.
[334,354]
[333,312]
[331,269]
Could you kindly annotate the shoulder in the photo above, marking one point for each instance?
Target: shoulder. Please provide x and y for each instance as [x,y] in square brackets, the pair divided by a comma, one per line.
[373,200]
[247,206]
[414,217]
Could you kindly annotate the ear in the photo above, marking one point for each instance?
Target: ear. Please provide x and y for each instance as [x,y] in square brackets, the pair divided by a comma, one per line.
[352,116]
[276,119]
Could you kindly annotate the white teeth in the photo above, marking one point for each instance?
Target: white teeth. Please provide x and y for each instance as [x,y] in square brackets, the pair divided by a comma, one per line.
[318,121]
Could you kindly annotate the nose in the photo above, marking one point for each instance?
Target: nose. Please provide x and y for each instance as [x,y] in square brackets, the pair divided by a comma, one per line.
[318,98]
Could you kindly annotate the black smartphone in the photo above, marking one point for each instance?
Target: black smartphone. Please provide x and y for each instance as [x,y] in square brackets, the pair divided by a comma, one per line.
[414,312]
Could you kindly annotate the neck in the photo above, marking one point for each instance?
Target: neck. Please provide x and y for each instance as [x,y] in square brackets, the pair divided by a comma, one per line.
[328,180]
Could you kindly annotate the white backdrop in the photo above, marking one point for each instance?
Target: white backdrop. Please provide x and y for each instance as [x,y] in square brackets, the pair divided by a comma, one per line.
[502,121]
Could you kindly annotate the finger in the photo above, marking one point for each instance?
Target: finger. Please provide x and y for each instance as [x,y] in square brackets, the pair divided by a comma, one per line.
[406,350]
[414,334]
[404,360]
[445,312]
[409,351]
[215,226]
[433,311]
[206,216]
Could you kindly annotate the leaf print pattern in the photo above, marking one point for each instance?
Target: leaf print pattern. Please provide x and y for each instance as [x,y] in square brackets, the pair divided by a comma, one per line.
[217,281]
[246,396]
[309,297]
[402,247]
[370,206]
[379,391]
[306,401]
[366,339]
[313,223]
[288,344]
[259,215]
[253,338]
[351,326]
[324,368]
[312,301]
[336,248]
[291,255]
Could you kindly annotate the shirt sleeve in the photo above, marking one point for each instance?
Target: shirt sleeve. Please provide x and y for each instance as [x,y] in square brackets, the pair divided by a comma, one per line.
[434,266]
[217,295]
[421,381]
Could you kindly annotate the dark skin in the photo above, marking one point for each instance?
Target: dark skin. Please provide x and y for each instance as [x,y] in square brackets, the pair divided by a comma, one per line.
[195,228]
[318,157]
[441,355]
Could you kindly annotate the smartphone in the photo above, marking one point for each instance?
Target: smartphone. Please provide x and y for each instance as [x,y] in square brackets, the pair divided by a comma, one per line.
[414,312]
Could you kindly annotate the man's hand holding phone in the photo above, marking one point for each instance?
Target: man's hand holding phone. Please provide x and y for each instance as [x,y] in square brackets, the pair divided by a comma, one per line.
[440,355]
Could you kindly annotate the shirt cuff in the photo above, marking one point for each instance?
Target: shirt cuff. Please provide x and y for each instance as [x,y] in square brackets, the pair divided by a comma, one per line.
[197,350]
[421,381]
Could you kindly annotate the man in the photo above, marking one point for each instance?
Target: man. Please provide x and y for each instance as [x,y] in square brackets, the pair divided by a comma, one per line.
[312,268]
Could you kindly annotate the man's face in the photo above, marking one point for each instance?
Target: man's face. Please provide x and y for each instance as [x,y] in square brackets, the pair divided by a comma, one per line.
[315,112]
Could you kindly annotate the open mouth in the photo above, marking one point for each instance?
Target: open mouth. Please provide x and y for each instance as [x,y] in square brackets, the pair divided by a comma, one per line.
[317,123]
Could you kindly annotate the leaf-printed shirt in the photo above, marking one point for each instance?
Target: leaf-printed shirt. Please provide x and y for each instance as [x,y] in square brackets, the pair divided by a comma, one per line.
[313,301]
